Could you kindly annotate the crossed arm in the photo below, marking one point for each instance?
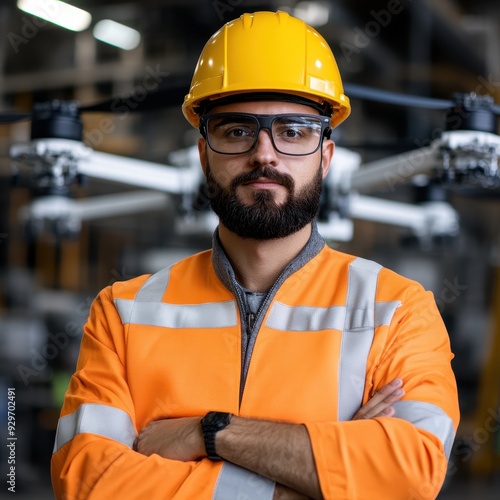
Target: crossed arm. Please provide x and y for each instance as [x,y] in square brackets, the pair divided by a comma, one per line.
[277,450]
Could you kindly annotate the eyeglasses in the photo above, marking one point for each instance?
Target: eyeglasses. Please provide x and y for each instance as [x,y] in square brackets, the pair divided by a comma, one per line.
[291,134]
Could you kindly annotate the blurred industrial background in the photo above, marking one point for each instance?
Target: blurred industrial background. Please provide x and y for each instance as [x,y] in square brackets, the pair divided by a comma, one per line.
[53,260]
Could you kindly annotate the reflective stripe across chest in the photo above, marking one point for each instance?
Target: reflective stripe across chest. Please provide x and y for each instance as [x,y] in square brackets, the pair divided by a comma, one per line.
[356,320]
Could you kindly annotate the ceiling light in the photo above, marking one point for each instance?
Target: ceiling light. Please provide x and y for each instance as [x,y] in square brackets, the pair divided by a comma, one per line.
[313,13]
[117,34]
[56,12]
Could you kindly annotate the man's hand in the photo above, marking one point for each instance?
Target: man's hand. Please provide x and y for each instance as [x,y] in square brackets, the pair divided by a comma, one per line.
[283,493]
[380,404]
[174,438]
[181,438]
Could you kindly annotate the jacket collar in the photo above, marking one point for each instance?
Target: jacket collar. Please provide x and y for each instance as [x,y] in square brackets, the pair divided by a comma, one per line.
[225,271]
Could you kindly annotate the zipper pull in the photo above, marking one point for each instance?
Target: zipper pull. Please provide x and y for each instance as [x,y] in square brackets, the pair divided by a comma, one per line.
[250,320]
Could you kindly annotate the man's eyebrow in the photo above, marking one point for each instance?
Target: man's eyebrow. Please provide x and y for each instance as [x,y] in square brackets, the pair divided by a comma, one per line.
[218,121]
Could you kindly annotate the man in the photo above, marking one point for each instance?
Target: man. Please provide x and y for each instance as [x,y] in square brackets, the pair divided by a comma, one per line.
[271,366]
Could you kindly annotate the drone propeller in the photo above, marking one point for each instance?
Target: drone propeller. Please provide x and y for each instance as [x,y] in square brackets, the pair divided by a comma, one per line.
[54,116]
[356,91]
[466,111]
[166,95]
[14,117]
[172,93]
[383,96]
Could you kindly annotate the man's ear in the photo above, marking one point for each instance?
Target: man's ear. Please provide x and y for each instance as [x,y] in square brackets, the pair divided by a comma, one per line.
[202,152]
[328,151]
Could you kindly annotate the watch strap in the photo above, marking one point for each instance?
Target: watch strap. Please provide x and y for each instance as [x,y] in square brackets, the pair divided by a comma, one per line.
[211,423]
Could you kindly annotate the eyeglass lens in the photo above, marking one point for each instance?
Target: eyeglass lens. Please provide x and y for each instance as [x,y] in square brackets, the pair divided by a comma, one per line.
[238,133]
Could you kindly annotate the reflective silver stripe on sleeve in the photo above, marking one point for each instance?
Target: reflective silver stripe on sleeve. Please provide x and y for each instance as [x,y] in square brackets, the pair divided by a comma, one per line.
[148,309]
[305,318]
[235,482]
[428,417]
[384,312]
[103,420]
[154,287]
[357,335]
[211,315]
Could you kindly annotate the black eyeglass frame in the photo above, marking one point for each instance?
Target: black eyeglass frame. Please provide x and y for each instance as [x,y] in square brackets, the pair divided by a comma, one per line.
[265,122]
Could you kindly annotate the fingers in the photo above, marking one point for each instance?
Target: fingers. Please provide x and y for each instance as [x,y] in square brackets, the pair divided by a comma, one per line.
[380,403]
[142,442]
[139,443]
[391,387]
[389,394]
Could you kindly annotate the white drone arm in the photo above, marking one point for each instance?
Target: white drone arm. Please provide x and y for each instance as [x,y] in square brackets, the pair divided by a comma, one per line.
[145,174]
[454,153]
[60,160]
[347,177]
[387,172]
[426,219]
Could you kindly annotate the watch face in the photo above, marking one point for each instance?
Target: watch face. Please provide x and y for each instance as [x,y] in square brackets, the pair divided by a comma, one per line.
[211,418]
[216,419]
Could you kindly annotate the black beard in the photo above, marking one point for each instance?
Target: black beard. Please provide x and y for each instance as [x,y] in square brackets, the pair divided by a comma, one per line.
[265,219]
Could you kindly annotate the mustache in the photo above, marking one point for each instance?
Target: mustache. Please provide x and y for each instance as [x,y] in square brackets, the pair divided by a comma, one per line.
[263,172]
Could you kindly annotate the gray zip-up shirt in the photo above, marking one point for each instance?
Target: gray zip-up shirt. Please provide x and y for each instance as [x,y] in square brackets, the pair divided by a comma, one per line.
[253,306]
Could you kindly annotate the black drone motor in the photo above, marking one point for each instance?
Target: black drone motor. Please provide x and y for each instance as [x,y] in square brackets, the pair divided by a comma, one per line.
[52,169]
[56,120]
[472,112]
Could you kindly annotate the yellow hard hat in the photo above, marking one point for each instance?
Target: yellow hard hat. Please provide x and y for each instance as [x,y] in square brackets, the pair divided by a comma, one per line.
[263,53]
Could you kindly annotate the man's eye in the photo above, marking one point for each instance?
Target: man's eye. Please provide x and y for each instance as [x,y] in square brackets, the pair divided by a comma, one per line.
[238,131]
[290,132]
[293,132]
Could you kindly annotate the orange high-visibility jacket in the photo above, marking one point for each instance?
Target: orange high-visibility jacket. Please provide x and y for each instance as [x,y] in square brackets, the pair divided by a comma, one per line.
[331,331]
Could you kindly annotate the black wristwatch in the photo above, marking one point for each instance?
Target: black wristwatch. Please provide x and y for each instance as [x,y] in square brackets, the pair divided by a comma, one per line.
[211,424]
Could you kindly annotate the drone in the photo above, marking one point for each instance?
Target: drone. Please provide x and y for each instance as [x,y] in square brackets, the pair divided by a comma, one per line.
[56,158]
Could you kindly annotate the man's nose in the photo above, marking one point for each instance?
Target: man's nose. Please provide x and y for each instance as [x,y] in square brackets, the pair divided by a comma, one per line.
[264,151]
